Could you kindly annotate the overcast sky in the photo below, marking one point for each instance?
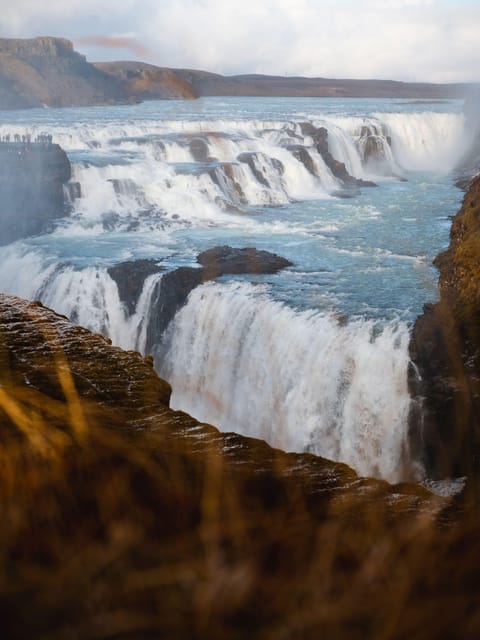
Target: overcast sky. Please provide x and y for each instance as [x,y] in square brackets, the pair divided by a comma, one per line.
[419,40]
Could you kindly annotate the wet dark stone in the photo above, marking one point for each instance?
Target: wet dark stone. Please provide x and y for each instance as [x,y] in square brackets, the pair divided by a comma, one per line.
[172,290]
[199,150]
[130,277]
[222,260]
[302,155]
[249,158]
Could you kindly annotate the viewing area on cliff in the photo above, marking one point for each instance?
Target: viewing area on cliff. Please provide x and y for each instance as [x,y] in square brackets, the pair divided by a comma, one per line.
[16,143]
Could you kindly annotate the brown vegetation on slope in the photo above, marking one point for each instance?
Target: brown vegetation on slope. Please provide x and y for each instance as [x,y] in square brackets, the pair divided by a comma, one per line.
[148,82]
[123,519]
[446,349]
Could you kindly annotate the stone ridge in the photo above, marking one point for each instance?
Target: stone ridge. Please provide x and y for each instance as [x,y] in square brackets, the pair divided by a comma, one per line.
[445,346]
[47,71]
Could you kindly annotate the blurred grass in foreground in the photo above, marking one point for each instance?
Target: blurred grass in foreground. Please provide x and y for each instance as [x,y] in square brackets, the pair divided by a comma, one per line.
[120,518]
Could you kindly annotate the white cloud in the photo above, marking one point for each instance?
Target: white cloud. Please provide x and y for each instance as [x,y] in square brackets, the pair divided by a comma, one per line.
[434,40]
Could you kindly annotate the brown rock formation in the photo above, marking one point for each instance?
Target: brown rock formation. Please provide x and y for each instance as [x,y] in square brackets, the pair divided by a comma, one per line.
[148,82]
[445,347]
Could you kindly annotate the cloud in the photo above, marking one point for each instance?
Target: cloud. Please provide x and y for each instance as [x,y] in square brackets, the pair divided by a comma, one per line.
[128,42]
[431,40]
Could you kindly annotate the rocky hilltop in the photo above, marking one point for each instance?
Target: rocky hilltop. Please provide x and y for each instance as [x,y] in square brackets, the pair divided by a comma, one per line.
[47,71]
[124,519]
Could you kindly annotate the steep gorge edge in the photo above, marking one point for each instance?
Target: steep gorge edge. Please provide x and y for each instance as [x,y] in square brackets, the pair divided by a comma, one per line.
[445,348]
[445,341]
[123,518]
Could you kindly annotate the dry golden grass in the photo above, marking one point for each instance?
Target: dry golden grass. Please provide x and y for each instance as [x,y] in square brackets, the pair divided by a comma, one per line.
[122,522]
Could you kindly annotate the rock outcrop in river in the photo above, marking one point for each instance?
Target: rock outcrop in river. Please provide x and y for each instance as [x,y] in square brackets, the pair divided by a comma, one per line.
[173,289]
[124,519]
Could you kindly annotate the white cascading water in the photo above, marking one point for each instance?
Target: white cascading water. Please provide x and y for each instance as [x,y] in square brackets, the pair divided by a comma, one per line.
[301,381]
[153,161]
[89,297]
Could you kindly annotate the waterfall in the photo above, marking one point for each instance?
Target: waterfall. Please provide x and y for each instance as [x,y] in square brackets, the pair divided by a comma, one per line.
[202,172]
[153,185]
[88,296]
[303,381]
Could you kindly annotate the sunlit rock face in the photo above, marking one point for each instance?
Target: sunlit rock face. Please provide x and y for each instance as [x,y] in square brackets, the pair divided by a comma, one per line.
[446,349]
[32,176]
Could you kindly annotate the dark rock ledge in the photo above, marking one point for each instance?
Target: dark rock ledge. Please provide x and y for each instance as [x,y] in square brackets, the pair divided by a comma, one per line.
[124,519]
[445,348]
[173,289]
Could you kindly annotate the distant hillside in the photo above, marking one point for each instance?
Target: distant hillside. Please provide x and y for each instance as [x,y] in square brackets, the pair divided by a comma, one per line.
[211,84]
[148,82]
[48,71]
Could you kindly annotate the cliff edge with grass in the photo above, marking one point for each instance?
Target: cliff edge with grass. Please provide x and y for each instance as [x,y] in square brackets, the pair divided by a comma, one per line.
[445,348]
[124,519]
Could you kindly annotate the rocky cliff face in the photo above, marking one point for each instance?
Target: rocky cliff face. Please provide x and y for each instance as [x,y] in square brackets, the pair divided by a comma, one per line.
[172,290]
[445,347]
[48,72]
[124,519]
[32,176]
